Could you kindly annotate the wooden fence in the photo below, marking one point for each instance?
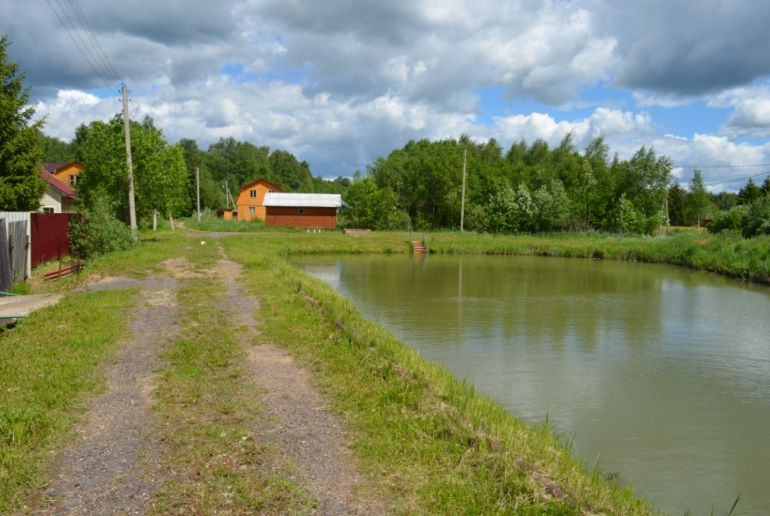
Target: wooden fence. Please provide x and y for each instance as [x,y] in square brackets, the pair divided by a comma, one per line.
[15,252]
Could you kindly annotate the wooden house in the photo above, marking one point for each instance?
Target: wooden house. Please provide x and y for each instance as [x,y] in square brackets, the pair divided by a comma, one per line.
[250,202]
[302,210]
[59,197]
[67,173]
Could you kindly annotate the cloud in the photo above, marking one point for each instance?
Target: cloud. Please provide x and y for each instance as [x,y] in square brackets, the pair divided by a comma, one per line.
[751,111]
[723,161]
[341,82]
[430,51]
[609,123]
[688,47]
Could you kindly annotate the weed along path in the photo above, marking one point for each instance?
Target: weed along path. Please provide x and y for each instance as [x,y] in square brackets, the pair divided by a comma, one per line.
[297,422]
[113,464]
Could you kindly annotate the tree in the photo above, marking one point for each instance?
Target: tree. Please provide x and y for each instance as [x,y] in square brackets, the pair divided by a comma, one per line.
[676,205]
[160,175]
[757,219]
[374,208]
[212,195]
[20,151]
[55,149]
[749,193]
[697,198]
[646,181]
[766,186]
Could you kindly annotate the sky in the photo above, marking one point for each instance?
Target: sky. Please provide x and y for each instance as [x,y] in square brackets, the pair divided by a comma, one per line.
[342,82]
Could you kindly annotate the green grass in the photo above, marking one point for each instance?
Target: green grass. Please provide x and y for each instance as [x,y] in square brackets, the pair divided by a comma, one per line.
[142,260]
[207,405]
[54,360]
[49,364]
[429,442]
[729,255]
[433,444]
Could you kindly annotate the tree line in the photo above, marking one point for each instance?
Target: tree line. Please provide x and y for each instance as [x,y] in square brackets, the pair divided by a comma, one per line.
[526,188]
[165,173]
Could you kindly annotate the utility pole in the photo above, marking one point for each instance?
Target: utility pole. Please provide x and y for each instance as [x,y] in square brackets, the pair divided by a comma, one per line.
[129,163]
[198,191]
[462,203]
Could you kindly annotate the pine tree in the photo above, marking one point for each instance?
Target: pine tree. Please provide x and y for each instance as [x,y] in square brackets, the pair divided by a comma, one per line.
[749,193]
[20,150]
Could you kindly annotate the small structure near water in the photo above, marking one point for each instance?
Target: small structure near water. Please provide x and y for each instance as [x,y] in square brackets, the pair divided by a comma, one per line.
[302,210]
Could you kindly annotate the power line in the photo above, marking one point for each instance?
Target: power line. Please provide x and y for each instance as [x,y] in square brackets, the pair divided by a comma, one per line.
[78,44]
[94,41]
[735,180]
[88,49]
[724,166]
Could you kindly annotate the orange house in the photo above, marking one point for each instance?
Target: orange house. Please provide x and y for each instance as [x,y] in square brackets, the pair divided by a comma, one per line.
[67,173]
[251,199]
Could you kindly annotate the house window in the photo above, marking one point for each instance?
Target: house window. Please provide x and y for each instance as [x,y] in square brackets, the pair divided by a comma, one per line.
[73,180]
[302,211]
[253,194]
[252,210]
[47,209]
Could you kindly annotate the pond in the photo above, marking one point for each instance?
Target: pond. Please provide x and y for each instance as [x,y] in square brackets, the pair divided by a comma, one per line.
[661,375]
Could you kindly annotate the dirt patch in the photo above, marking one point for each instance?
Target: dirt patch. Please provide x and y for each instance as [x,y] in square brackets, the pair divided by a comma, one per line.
[181,268]
[113,465]
[155,281]
[299,423]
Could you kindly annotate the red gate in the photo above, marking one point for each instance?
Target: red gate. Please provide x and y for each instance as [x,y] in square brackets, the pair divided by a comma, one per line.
[50,236]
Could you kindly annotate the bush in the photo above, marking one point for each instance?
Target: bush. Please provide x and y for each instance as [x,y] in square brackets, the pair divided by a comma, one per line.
[731,220]
[757,219]
[97,231]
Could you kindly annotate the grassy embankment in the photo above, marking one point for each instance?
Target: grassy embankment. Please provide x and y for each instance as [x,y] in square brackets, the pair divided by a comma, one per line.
[729,255]
[52,361]
[433,444]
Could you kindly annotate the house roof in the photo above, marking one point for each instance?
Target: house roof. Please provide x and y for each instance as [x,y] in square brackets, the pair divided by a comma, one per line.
[303,200]
[58,185]
[55,166]
[264,181]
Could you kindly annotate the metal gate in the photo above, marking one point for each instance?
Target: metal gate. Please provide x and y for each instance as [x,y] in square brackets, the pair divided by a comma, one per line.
[50,237]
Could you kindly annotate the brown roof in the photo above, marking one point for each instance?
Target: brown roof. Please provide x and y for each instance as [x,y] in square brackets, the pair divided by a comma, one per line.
[53,166]
[58,185]
[274,186]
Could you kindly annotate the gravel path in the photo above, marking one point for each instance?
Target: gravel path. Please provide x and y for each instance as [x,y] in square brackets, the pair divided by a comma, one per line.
[299,422]
[112,467]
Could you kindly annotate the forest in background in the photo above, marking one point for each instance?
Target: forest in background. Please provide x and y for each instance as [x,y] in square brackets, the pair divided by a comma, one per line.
[526,188]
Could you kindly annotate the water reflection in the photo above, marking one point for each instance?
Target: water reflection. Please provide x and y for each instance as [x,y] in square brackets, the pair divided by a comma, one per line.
[662,373]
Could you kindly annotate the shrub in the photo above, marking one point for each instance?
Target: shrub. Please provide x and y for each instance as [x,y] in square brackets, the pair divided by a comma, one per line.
[757,219]
[730,220]
[97,231]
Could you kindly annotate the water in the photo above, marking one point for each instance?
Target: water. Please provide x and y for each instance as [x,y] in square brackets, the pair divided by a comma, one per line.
[661,374]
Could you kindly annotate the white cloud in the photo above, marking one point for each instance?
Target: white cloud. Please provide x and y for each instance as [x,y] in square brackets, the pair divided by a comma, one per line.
[751,111]
[609,123]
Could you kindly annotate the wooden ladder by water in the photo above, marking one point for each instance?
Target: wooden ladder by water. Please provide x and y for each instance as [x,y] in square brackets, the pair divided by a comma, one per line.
[418,247]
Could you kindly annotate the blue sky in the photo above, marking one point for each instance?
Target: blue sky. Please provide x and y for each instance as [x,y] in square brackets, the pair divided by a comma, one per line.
[342,82]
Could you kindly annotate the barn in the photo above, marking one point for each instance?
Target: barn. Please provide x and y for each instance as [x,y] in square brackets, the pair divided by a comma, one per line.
[302,210]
